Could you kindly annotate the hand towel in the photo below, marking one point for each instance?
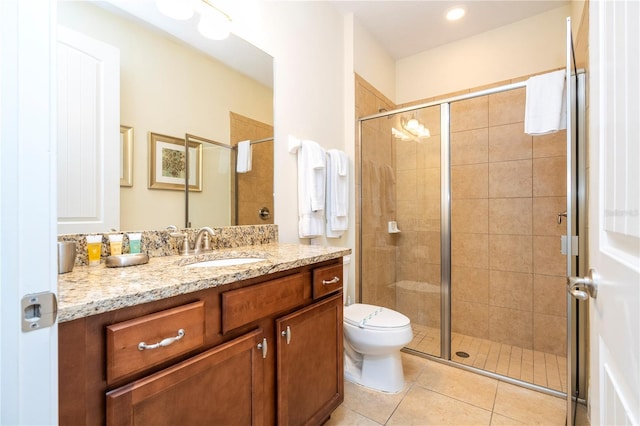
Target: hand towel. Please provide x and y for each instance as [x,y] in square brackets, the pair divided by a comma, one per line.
[545,107]
[337,206]
[311,189]
[244,157]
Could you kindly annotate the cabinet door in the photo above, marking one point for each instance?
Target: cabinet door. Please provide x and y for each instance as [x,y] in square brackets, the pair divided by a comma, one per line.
[310,363]
[222,386]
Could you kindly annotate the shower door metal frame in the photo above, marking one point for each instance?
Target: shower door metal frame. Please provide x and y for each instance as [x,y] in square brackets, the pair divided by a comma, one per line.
[445,230]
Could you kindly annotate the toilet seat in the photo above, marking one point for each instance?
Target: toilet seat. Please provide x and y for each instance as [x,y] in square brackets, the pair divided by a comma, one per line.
[374,317]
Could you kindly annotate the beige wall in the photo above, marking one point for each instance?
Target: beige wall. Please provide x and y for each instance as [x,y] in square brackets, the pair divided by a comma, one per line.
[372,62]
[167,88]
[526,47]
[306,40]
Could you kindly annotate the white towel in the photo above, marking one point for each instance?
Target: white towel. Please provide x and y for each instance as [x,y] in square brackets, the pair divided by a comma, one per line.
[311,189]
[545,108]
[244,157]
[337,193]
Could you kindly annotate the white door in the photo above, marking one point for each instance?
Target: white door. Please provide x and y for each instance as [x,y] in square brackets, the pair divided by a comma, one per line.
[614,202]
[88,138]
[28,264]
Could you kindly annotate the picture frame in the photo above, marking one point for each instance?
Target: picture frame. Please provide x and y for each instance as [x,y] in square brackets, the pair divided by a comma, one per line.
[167,165]
[126,156]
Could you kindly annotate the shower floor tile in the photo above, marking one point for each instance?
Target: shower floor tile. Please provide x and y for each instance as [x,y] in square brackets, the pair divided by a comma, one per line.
[540,368]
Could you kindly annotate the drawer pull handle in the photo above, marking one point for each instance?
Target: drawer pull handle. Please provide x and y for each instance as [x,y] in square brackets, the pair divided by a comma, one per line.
[334,280]
[263,347]
[164,342]
[287,334]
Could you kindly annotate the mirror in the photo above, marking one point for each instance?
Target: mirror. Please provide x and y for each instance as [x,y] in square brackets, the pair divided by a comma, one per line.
[251,188]
[172,86]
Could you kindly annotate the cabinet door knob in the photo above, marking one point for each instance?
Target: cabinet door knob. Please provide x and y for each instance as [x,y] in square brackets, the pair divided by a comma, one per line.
[287,334]
[263,347]
[164,342]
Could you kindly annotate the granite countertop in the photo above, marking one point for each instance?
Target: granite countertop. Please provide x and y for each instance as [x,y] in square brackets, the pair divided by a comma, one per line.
[91,290]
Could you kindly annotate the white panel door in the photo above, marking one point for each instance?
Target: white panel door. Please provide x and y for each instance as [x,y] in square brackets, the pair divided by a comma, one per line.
[28,360]
[614,199]
[88,136]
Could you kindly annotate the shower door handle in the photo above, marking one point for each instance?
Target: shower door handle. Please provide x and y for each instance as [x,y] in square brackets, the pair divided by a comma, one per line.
[584,287]
[560,215]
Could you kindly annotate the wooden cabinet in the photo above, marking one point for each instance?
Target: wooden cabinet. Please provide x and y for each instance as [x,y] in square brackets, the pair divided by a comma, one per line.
[263,351]
[310,363]
[222,386]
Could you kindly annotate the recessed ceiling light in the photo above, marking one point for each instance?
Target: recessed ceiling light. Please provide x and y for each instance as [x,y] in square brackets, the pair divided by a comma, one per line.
[455,13]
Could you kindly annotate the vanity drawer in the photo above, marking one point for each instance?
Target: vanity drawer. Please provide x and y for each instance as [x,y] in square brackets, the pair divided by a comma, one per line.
[160,332]
[327,280]
[248,304]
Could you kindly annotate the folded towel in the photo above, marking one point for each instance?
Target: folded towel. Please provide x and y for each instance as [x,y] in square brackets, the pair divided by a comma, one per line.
[337,193]
[244,157]
[311,189]
[545,108]
[293,144]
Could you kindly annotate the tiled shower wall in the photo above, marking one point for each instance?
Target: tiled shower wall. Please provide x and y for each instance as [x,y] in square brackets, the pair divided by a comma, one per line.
[507,189]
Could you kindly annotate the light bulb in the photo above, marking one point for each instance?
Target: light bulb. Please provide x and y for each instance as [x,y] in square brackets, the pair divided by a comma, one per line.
[412,124]
[455,13]
[214,25]
[176,9]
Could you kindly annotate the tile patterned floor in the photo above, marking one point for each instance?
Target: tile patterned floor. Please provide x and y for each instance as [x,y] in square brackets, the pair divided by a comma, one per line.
[437,394]
[544,369]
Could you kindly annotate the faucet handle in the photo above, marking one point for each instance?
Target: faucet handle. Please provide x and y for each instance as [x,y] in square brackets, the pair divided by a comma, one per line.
[185,248]
[206,246]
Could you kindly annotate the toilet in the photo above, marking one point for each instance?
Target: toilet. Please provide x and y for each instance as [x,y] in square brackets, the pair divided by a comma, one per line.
[373,337]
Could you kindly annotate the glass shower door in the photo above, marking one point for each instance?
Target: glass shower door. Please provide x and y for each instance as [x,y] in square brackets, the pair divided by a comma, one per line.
[508,308]
[401,220]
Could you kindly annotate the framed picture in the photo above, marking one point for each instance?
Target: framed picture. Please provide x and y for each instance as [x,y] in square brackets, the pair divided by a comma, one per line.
[126,156]
[168,166]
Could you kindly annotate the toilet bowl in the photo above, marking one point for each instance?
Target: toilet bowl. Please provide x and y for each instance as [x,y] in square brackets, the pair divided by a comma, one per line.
[373,337]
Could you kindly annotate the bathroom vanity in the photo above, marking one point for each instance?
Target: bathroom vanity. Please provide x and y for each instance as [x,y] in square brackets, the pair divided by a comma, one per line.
[165,343]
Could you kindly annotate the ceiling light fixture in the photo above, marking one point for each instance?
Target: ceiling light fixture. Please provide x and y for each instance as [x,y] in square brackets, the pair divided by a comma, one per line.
[214,23]
[399,134]
[415,128]
[176,9]
[455,13]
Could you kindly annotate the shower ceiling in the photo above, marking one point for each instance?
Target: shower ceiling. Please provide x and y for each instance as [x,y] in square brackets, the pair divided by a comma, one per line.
[405,28]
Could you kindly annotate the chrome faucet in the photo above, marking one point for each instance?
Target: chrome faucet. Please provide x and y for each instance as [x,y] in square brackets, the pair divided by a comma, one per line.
[202,244]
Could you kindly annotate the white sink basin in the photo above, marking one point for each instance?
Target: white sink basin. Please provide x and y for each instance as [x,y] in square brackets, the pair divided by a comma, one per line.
[225,262]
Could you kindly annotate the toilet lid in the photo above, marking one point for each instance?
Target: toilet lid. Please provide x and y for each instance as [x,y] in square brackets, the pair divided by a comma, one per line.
[371,316]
